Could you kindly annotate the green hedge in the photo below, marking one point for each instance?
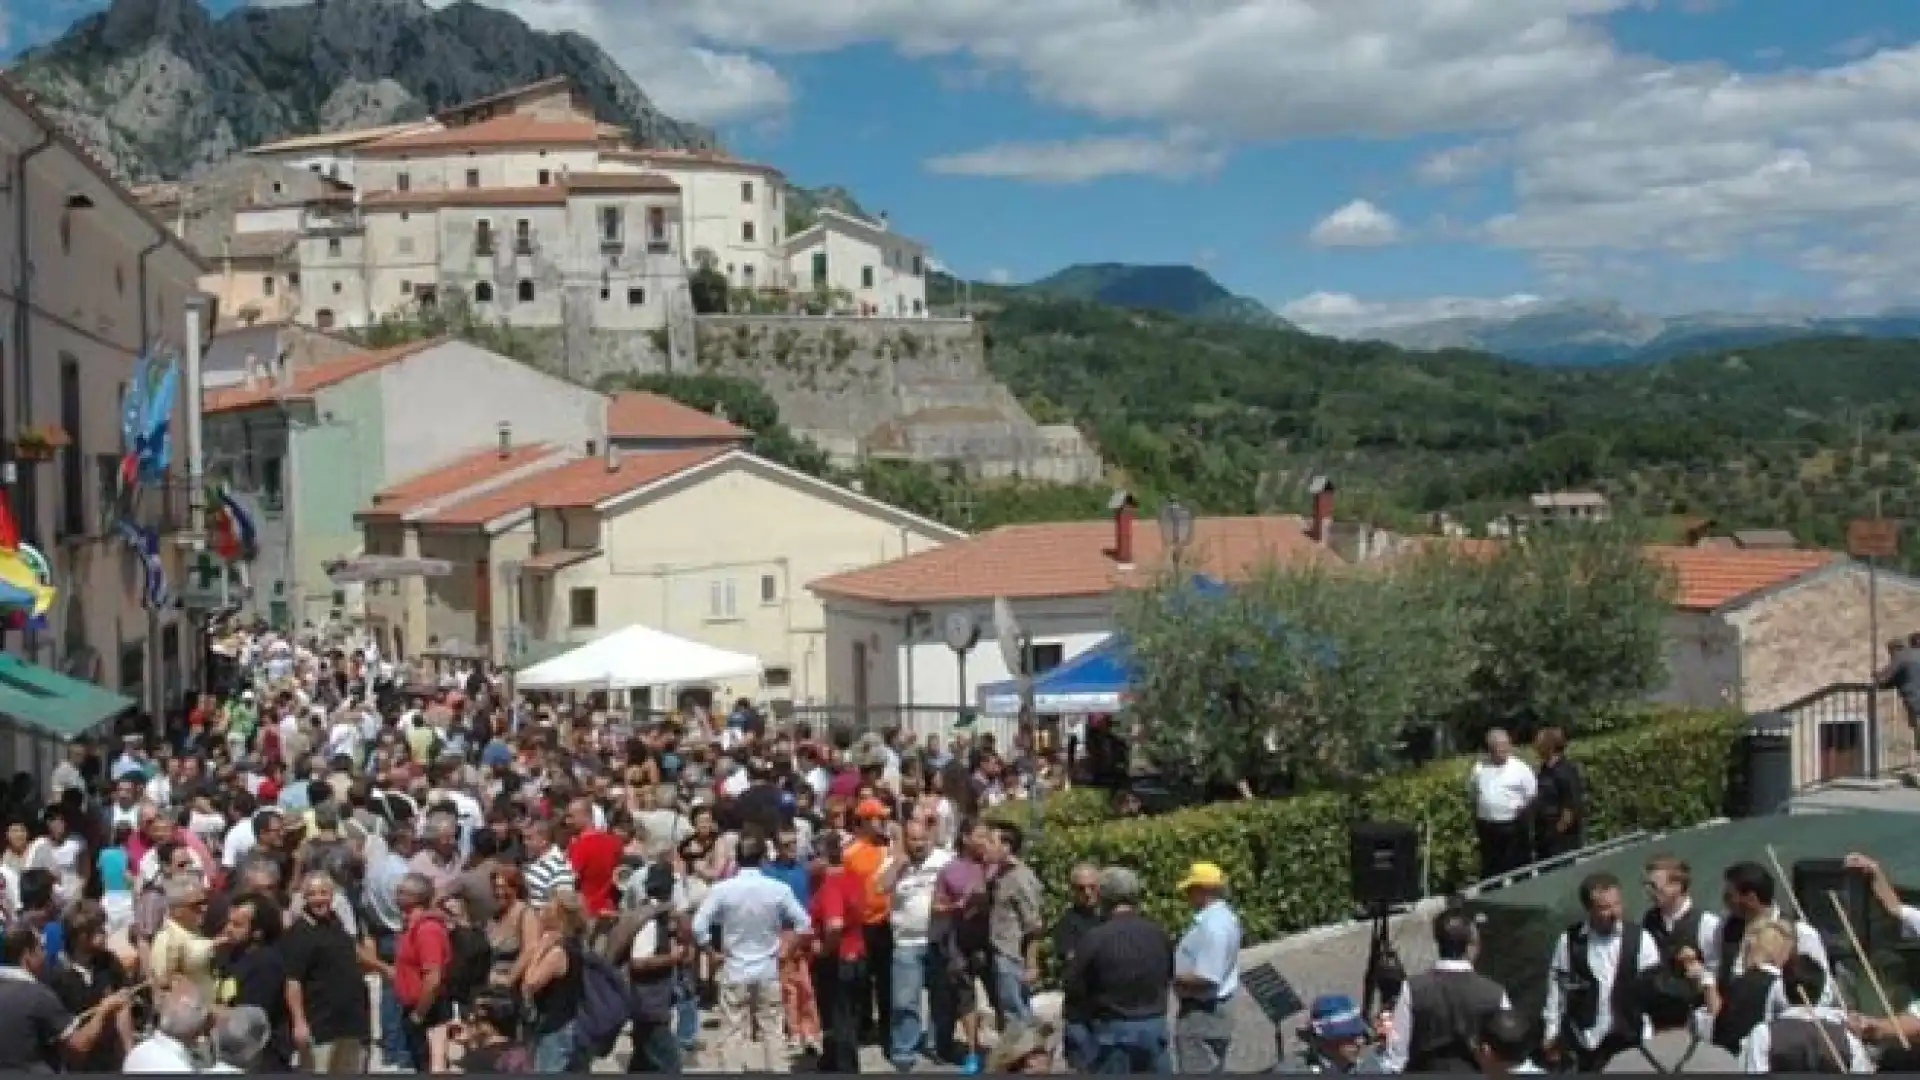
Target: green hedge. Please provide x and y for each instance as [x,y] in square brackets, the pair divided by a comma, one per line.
[1287,858]
[1063,810]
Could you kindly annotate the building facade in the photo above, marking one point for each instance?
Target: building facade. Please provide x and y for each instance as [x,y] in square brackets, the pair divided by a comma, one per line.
[879,270]
[91,278]
[312,447]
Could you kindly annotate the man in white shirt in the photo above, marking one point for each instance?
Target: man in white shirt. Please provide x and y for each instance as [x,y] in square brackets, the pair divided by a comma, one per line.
[1749,898]
[751,909]
[1805,1037]
[1592,1010]
[184,1015]
[913,880]
[1501,787]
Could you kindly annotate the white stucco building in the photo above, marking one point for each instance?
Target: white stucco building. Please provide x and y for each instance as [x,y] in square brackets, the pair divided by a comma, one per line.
[883,272]
[735,211]
[107,277]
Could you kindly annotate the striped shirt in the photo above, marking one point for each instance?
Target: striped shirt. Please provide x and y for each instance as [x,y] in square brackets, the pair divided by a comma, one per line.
[547,873]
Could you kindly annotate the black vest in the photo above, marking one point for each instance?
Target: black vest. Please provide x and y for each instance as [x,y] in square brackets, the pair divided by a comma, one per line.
[1733,934]
[1684,935]
[653,990]
[1796,1046]
[1448,1008]
[1743,1007]
[1583,990]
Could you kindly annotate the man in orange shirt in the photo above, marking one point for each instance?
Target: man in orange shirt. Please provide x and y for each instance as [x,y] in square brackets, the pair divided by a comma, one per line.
[870,858]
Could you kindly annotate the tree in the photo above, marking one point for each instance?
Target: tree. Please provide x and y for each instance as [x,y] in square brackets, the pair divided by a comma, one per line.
[1565,622]
[710,290]
[1304,677]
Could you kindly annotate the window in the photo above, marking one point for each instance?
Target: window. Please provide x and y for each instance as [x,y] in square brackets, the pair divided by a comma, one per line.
[483,237]
[769,589]
[526,291]
[523,237]
[473,178]
[546,177]
[819,269]
[613,228]
[778,678]
[73,485]
[746,232]
[866,277]
[266,285]
[403,181]
[403,246]
[483,292]
[278,187]
[919,267]
[323,318]
[293,279]
[636,297]
[333,246]
[919,307]
[1042,658]
[746,276]
[606,292]
[406,288]
[656,229]
[66,232]
[272,493]
[746,191]
[582,609]
[721,602]
[336,288]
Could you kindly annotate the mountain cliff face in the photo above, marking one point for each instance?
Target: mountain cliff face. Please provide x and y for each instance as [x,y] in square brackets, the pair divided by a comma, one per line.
[160,89]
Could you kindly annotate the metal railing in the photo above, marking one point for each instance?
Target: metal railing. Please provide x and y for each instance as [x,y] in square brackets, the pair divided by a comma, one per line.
[1848,731]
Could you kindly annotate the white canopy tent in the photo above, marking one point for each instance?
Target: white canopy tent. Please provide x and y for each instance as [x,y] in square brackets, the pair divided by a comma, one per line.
[636,658]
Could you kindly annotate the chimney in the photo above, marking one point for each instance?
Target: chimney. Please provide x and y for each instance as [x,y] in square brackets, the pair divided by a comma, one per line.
[1321,528]
[283,370]
[1124,509]
[613,457]
[592,447]
[253,373]
[886,222]
[506,439]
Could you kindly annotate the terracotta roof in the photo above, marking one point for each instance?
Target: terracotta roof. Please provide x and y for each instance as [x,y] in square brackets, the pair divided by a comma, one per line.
[474,469]
[549,195]
[686,159]
[255,245]
[1713,577]
[324,140]
[314,377]
[551,82]
[582,483]
[514,129]
[1072,558]
[636,414]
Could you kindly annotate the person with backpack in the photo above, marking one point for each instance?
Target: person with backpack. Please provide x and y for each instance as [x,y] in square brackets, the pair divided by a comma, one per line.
[555,984]
[661,949]
[1675,1046]
[492,1037]
[1807,1037]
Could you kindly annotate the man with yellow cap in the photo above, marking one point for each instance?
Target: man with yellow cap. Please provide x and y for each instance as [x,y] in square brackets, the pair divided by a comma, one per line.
[1206,973]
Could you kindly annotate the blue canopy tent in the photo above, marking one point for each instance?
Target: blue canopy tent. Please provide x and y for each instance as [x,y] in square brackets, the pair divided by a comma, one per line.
[1095,681]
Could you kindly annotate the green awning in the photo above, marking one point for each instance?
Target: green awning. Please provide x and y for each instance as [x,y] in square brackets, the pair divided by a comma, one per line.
[52,703]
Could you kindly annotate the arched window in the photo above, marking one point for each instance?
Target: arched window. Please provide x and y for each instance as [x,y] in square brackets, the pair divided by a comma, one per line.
[483,293]
[526,292]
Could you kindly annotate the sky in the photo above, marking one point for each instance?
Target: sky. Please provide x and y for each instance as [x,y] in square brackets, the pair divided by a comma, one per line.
[1351,163]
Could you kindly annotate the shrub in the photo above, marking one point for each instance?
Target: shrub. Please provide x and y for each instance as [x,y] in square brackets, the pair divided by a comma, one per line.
[1062,810]
[1287,858]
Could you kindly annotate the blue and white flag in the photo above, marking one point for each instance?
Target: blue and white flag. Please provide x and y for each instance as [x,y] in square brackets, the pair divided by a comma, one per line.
[145,545]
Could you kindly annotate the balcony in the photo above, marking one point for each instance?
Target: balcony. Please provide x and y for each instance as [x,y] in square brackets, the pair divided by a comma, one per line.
[658,244]
[332,221]
[612,244]
[483,247]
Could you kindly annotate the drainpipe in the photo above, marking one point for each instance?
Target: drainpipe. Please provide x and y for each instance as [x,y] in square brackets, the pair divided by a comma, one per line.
[23,342]
[156,679]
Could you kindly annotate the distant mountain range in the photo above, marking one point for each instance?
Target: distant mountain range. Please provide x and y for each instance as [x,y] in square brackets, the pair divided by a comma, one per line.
[1585,334]
[1175,290]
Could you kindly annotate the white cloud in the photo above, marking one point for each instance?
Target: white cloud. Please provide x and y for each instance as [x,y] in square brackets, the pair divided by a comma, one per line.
[1357,224]
[997,276]
[1077,161]
[1346,315]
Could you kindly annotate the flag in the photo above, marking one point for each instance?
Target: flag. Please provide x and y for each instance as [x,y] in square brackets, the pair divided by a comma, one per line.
[234,537]
[9,528]
[145,544]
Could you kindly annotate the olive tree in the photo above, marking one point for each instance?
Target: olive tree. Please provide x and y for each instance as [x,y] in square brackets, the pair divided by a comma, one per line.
[1302,677]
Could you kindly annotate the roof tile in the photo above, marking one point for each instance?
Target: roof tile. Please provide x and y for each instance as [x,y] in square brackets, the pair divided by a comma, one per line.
[472,470]
[582,483]
[1709,578]
[637,414]
[314,377]
[513,129]
[1073,558]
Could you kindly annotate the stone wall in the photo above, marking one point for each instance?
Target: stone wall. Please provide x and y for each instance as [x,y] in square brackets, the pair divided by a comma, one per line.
[911,388]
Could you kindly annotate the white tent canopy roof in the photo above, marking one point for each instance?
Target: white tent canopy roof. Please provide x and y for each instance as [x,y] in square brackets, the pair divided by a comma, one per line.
[635,658]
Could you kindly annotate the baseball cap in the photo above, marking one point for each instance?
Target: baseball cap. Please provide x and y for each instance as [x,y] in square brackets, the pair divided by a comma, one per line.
[1335,1016]
[870,808]
[1202,875]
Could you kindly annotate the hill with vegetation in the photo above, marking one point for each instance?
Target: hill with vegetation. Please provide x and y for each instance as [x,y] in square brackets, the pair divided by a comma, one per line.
[1171,290]
[1800,435]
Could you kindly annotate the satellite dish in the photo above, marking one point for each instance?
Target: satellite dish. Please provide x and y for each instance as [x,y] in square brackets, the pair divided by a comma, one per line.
[1007,629]
[961,631]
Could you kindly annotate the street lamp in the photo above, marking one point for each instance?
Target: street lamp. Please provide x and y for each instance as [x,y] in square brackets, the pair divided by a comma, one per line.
[1176,526]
